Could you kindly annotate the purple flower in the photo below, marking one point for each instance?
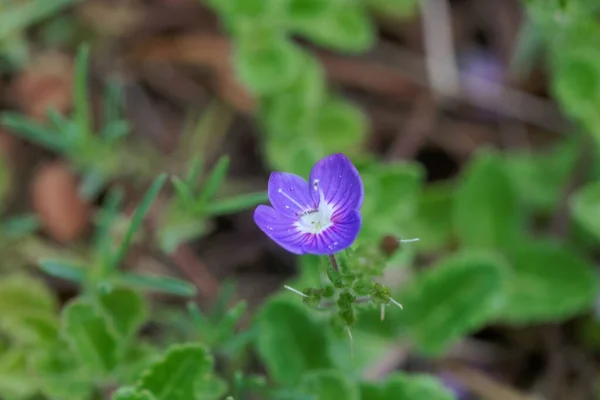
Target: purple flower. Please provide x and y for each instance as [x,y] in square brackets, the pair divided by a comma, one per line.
[322,217]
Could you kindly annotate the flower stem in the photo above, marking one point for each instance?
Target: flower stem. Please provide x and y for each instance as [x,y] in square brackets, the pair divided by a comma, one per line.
[334,263]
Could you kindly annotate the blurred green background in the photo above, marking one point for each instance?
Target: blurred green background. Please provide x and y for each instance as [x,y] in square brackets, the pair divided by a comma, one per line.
[137,136]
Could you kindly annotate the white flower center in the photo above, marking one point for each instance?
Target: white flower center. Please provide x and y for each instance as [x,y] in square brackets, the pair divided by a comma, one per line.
[316,221]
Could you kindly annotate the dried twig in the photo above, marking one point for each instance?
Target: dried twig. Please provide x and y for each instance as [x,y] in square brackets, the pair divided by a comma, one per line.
[442,67]
[414,134]
[483,385]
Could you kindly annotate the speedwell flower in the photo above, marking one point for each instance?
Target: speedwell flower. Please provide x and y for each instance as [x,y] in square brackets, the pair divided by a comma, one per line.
[321,216]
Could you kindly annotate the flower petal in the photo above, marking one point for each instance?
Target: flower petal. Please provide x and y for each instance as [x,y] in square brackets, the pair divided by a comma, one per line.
[336,238]
[337,181]
[289,194]
[280,228]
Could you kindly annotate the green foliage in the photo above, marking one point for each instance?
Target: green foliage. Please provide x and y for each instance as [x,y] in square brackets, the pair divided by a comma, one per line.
[457,296]
[14,376]
[27,310]
[268,67]
[177,375]
[328,385]
[401,386]
[15,18]
[397,8]
[89,337]
[486,208]
[547,282]
[101,157]
[290,342]
[104,272]
[335,116]
[569,30]
[584,208]
[295,106]
[539,178]
[124,309]
[195,201]
[498,275]
[60,374]
[432,220]
[340,25]
[217,328]
[132,394]
[393,198]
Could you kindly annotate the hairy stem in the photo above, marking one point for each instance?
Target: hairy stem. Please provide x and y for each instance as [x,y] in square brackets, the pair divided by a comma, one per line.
[334,263]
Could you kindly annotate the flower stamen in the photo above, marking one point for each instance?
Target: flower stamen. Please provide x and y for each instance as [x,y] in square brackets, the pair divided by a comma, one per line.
[290,198]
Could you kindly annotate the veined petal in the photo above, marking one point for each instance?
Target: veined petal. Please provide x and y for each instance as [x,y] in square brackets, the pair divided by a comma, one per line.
[337,237]
[280,228]
[336,181]
[289,194]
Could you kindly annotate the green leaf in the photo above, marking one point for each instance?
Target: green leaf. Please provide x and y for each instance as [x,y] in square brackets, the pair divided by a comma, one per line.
[28,310]
[340,126]
[235,204]
[20,225]
[20,16]
[177,375]
[540,177]
[113,100]
[307,151]
[394,8]
[577,80]
[302,12]
[196,167]
[393,194]
[138,218]
[102,239]
[249,11]
[15,376]
[183,191]
[125,309]
[63,270]
[61,376]
[32,131]
[585,208]
[212,389]
[400,386]
[293,112]
[115,131]
[30,327]
[432,221]
[329,385]
[290,342]
[547,283]
[452,299]
[268,67]
[159,283]
[181,230]
[6,179]
[128,393]
[214,181]
[60,123]
[344,26]
[91,184]
[88,335]
[19,292]
[486,209]
[80,94]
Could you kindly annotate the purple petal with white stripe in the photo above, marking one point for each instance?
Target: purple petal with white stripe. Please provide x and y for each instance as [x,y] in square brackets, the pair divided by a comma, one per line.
[320,218]
[280,229]
[289,194]
[339,236]
[336,181]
